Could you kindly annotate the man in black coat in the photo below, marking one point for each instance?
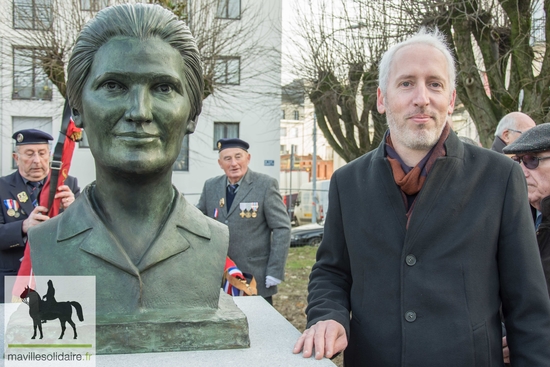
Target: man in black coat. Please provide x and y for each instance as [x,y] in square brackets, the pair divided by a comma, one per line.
[532,151]
[425,238]
[20,193]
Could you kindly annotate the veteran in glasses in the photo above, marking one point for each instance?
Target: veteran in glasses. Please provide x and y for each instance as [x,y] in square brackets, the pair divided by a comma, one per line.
[532,152]
[509,128]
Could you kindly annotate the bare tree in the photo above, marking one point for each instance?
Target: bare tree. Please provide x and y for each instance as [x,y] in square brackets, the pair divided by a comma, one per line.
[338,56]
[499,45]
[44,32]
[500,48]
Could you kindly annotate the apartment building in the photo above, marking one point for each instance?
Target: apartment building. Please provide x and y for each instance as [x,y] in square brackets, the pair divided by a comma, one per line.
[245,79]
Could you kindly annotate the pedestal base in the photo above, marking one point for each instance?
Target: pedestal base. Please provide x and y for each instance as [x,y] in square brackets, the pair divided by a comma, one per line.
[174,330]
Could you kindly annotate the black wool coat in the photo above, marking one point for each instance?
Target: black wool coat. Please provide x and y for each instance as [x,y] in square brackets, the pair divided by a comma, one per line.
[429,295]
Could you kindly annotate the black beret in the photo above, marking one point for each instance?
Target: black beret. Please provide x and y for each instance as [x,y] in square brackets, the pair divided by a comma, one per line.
[536,139]
[31,136]
[232,143]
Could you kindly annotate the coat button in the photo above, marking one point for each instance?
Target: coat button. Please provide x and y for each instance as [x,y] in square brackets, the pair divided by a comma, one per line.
[226,222]
[410,316]
[410,260]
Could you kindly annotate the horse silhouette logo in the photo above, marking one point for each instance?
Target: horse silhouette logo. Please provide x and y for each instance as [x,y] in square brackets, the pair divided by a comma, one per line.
[41,310]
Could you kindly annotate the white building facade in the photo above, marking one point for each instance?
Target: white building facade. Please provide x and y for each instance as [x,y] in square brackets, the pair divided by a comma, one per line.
[245,102]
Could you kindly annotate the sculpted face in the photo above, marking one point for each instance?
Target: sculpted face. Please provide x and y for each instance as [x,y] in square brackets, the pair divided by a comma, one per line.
[134,107]
[418,97]
[33,161]
[234,162]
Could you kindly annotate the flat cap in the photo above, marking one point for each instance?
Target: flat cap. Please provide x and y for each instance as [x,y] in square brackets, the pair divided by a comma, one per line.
[536,139]
[232,143]
[31,136]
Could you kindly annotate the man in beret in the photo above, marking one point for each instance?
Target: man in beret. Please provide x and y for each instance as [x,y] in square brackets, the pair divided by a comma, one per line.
[509,128]
[532,151]
[20,193]
[251,205]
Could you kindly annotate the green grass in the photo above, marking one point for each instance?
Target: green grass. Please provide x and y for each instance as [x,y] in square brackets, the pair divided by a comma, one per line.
[301,257]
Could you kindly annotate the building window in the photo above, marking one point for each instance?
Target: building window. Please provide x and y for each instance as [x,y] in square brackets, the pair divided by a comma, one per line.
[282,114]
[29,79]
[229,9]
[32,14]
[227,70]
[293,132]
[93,5]
[225,130]
[23,123]
[296,115]
[283,149]
[283,132]
[182,162]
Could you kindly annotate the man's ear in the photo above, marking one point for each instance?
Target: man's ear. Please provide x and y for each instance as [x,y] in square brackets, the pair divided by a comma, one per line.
[191,125]
[76,117]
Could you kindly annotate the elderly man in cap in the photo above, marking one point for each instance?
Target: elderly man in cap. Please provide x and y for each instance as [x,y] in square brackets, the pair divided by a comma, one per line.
[20,192]
[509,128]
[532,151]
[251,205]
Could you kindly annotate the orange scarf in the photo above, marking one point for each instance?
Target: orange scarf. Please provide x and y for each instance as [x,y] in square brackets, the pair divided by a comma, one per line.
[411,182]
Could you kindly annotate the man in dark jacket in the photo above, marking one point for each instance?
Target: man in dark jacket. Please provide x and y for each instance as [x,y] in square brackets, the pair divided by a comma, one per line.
[425,238]
[532,151]
[20,192]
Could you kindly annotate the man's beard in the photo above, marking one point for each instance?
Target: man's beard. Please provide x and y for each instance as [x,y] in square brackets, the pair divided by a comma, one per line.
[420,138]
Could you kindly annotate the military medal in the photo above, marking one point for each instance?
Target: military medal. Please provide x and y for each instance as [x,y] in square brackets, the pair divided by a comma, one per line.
[242,214]
[222,202]
[246,208]
[12,206]
[16,215]
[254,207]
[242,206]
[22,196]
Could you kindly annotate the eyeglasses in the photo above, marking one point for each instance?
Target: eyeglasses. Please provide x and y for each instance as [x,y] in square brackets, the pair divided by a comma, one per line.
[529,161]
[516,131]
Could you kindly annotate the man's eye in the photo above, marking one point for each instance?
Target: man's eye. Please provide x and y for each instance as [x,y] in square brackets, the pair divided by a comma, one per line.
[164,88]
[435,85]
[111,86]
[406,84]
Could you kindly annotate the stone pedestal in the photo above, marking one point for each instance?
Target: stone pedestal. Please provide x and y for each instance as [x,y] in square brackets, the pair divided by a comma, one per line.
[272,338]
[179,330]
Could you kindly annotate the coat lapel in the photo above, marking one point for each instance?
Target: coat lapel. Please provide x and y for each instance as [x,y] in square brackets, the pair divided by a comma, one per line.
[434,189]
[182,225]
[17,187]
[93,237]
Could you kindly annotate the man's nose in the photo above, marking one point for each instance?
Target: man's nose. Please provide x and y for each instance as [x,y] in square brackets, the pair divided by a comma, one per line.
[421,97]
[139,108]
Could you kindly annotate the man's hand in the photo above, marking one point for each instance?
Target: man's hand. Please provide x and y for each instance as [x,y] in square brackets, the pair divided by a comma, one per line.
[66,195]
[327,337]
[35,218]
[505,350]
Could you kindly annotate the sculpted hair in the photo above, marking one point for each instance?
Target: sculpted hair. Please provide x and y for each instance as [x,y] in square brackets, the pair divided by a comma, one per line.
[141,21]
[431,38]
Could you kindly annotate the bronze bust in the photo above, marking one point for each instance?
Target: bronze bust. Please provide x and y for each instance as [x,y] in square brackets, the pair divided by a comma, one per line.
[135,85]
